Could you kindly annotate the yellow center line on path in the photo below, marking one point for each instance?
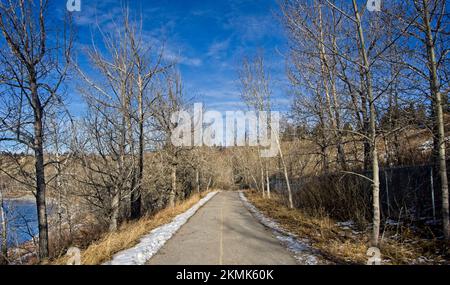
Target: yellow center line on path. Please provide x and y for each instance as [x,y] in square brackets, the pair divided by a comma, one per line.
[221,238]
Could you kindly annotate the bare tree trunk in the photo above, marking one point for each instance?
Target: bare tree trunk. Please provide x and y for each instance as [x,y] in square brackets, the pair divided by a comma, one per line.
[263,181]
[115,211]
[134,183]
[197,180]
[40,173]
[376,197]
[136,194]
[329,85]
[209,184]
[58,181]
[337,123]
[365,131]
[373,134]
[365,114]
[439,113]
[254,181]
[268,183]
[173,190]
[261,168]
[60,203]
[322,139]
[4,244]
[286,174]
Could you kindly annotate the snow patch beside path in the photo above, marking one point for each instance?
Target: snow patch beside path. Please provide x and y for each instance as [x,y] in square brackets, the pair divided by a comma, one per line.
[301,250]
[152,243]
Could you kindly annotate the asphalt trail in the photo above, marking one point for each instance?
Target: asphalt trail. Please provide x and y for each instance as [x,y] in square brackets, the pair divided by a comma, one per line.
[223,232]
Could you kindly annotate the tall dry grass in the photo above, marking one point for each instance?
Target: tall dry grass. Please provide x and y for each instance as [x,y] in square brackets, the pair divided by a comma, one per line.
[339,246]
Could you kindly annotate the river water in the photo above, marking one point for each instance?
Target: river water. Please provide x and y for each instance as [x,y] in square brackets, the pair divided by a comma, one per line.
[21,217]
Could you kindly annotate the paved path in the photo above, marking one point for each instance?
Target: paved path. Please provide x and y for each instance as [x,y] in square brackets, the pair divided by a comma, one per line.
[223,232]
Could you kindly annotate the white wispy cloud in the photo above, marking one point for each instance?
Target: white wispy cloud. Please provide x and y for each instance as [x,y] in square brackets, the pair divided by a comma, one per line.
[172,56]
[217,48]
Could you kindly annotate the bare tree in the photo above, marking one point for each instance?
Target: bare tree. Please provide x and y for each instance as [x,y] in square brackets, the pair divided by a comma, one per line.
[35,62]
[147,64]
[316,66]
[256,92]
[168,101]
[324,60]
[4,236]
[373,128]
[109,157]
[136,64]
[438,10]
[427,35]
[60,141]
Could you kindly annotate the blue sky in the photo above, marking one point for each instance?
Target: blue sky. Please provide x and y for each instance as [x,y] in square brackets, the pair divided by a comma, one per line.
[209,38]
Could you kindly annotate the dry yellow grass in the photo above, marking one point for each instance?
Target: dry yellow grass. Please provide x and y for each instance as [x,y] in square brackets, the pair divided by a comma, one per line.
[129,234]
[339,246]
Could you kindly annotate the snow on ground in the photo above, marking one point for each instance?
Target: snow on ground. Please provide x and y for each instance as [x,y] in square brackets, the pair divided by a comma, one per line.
[301,250]
[429,144]
[348,225]
[152,243]
[347,228]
